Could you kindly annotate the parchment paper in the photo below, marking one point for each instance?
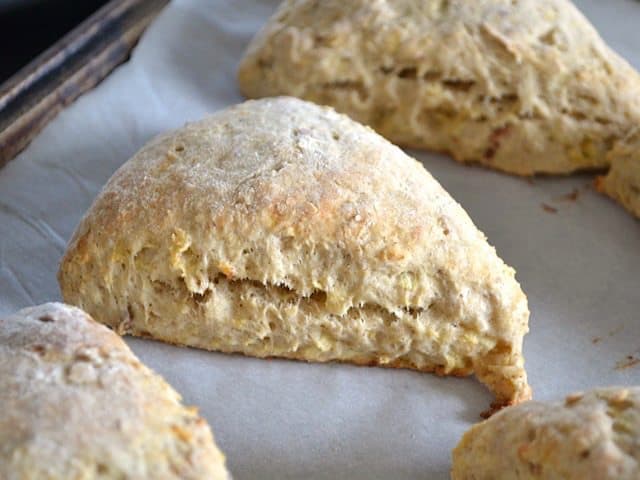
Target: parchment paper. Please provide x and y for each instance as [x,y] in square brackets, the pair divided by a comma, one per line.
[281,419]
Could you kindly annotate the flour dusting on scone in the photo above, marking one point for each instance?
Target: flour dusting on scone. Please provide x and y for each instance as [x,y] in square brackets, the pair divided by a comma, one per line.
[595,435]
[523,86]
[77,403]
[281,228]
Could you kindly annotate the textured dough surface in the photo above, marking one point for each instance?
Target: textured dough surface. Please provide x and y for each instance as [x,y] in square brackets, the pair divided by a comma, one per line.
[622,182]
[524,86]
[281,228]
[593,435]
[77,403]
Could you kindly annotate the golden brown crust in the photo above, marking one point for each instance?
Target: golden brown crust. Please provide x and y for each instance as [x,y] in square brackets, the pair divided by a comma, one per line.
[281,228]
[523,87]
[77,403]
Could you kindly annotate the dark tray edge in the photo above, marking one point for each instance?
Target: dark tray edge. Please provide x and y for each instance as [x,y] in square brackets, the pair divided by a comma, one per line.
[73,65]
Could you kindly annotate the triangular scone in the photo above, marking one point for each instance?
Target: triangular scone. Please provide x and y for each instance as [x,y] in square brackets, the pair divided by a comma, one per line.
[521,86]
[622,183]
[282,228]
[595,435]
[78,404]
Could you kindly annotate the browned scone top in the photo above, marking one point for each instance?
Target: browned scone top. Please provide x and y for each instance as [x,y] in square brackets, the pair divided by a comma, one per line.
[595,435]
[523,86]
[281,228]
[77,403]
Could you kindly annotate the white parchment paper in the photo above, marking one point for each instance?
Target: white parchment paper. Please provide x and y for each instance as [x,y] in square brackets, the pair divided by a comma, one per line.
[278,419]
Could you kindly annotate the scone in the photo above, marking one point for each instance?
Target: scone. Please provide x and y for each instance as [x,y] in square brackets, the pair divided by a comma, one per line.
[622,182]
[281,228]
[77,403]
[595,435]
[523,86]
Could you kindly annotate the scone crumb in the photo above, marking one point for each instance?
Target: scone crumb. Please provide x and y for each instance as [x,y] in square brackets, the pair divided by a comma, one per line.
[227,270]
[181,433]
[573,398]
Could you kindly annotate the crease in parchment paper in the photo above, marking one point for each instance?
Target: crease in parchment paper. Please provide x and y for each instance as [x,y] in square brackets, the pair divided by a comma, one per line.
[75,177]
[38,225]
[13,277]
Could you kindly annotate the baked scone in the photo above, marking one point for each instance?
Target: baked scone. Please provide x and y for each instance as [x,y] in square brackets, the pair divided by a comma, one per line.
[77,403]
[523,86]
[622,182]
[281,228]
[595,435]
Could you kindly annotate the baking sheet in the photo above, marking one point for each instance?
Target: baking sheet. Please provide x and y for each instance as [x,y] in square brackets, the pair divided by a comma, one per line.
[577,259]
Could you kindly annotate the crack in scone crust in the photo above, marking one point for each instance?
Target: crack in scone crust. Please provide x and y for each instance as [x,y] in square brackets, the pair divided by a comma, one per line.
[274,321]
[280,228]
[525,87]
